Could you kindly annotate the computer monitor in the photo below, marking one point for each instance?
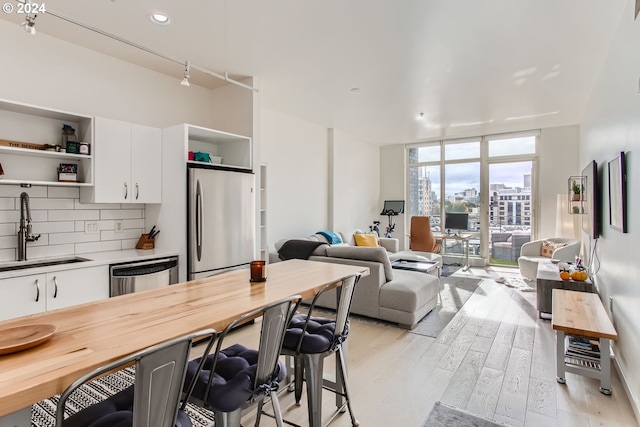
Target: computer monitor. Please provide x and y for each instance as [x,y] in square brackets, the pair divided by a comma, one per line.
[456,221]
[393,207]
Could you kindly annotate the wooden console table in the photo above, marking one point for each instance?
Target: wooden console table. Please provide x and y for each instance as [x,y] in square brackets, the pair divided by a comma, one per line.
[582,314]
[548,279]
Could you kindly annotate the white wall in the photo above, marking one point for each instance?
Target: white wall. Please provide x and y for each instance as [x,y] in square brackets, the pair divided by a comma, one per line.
[297,157]
[355,201]
[559,159]
[318,178]
[49,72]
[612,124]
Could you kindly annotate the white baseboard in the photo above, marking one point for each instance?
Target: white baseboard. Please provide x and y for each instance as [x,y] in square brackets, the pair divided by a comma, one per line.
[633,399]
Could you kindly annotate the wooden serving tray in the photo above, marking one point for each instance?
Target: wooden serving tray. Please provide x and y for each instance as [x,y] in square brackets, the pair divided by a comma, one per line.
[21,338]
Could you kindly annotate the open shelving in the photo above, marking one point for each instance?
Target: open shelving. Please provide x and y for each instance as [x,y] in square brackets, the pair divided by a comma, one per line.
[32,125]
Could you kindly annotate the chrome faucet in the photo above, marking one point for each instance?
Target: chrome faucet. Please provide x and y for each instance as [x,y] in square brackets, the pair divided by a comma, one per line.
[24,234]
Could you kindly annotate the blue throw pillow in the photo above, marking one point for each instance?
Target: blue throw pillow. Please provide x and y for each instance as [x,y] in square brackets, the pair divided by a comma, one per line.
[331,237]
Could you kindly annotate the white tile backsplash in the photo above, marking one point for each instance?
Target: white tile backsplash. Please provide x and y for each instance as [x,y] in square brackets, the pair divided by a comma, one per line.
[37,203]
[7,203]
[8,229]
[15,191]
[121,214]
[73,215]
[59,217]
[113,245]
[64,192]
[53,227]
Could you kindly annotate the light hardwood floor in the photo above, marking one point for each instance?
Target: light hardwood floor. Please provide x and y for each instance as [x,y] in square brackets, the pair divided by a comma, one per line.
[495,359]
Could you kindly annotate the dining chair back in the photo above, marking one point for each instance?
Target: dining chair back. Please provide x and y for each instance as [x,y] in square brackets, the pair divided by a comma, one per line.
[310,339]
[232,380]
[154,398]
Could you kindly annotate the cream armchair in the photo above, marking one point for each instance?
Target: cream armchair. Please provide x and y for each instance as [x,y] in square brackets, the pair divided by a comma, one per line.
[531,254]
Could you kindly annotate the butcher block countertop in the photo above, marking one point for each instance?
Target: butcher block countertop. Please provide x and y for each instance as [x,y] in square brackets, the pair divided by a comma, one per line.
[94,334]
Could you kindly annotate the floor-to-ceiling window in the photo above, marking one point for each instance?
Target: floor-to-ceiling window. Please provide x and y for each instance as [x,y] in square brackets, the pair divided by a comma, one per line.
[491,178]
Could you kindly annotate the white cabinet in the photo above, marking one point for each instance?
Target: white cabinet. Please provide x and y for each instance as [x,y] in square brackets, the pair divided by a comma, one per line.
[24,295]
[72,287]
[127,163]
[23,128]
[21,296]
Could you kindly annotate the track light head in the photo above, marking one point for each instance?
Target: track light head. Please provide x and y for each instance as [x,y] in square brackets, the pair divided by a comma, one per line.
[185,80]
[29,25]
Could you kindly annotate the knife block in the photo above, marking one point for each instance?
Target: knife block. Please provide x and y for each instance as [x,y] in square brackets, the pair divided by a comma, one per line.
[144,242]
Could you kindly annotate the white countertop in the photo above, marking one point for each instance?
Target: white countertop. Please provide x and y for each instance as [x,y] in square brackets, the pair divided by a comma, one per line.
[94,259]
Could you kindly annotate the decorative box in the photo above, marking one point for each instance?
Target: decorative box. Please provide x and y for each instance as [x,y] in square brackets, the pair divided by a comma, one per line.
[68,172]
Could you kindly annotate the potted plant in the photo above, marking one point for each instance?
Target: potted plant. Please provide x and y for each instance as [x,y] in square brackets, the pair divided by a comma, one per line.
[577,189]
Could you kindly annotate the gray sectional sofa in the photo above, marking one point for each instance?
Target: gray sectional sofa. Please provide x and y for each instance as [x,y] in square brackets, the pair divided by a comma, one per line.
[398,296]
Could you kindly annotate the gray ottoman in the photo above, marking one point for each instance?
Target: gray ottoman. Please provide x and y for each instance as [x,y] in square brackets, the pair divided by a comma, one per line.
[418,256]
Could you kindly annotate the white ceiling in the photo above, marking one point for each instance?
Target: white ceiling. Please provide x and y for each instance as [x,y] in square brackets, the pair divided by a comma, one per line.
[472,67]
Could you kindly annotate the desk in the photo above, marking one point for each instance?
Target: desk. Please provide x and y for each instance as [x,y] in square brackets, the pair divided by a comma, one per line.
[460,238]
[582,314]
[94,334]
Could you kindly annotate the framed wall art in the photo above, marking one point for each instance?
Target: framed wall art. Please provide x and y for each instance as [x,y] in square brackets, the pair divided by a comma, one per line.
[618,193]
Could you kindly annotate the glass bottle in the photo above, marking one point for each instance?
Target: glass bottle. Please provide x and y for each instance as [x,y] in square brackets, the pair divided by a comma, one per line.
[68,134]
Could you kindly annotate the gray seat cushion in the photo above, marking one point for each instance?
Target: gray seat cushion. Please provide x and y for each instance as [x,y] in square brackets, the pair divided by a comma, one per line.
[409,290]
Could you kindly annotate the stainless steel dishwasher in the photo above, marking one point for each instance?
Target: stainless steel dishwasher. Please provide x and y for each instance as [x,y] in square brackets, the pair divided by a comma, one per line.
[130,277]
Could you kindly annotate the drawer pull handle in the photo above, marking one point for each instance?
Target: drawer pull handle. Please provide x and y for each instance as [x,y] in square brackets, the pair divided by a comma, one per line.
[55,289]
[37,290]
[126,190]
[137,191]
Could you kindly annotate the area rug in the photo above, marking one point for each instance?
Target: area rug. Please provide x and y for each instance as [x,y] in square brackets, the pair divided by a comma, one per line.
[455,291]
[43,413]
[446,416]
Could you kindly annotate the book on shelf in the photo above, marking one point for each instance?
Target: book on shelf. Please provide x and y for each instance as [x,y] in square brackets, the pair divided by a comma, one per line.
[582,347]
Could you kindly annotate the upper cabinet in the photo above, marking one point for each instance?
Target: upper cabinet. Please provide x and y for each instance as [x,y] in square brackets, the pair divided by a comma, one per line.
[127,166]
[29,137]
[222,148]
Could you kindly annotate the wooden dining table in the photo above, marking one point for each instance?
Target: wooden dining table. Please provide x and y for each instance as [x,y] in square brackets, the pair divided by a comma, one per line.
[91,335]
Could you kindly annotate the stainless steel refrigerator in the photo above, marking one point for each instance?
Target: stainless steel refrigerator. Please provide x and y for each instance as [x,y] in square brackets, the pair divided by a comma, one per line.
[221,226]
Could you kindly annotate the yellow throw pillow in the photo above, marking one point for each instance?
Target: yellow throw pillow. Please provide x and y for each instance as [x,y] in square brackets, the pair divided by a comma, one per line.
[549,247]
[366,239]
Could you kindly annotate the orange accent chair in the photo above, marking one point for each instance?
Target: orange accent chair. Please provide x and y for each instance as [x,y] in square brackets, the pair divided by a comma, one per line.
[421,238]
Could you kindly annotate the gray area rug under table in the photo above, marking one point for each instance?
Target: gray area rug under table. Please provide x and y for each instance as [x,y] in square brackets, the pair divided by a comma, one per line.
[43,414]
[455,291]
[446,416]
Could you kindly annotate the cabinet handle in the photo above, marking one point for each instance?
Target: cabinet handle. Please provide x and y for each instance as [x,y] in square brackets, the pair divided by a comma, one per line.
[37,291]
[137,191]
[126,190]
[55,289]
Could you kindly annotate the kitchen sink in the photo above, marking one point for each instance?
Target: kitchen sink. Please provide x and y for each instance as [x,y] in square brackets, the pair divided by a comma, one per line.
[21,265]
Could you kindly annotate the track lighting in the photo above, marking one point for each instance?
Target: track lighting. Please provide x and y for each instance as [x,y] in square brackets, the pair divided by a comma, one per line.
[29,25]
[185,80]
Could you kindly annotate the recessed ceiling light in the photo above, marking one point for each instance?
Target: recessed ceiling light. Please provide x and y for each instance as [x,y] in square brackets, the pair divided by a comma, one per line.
[159,18]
